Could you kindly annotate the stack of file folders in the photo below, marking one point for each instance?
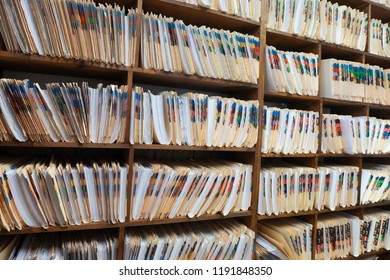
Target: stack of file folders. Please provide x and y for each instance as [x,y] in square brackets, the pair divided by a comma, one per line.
[290,238]
[89,245]
[354,81]
[173,46]
[62,112]
[43,193]
[70,29]
[375,183]
[337,236]
[289,131]
[286,188]
[355,135]
[192,119]
[379,38]
[341,234]
[320,20]
[376,231]
[265,250]
[190,189]
[217,240]
[292,72]
[250,9]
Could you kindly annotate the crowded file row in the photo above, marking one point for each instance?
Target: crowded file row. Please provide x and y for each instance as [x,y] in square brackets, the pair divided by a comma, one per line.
[175,47]
[287,188]
[379,38]
[292,72]
[89,245]
[289,131]
[192,119]
[70,29]
[320,20]
[354,81]
[62,112]
[216,240]
[44,193]
[353,135]
[191,188]
[250,9]
[342,234]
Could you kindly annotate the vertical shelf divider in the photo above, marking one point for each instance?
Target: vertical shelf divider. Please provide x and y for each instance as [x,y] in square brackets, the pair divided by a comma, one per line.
[261,92]
[138,34]
[121,242]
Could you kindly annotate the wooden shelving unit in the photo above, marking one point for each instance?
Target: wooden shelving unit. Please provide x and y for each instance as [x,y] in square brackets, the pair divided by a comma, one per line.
[133,76]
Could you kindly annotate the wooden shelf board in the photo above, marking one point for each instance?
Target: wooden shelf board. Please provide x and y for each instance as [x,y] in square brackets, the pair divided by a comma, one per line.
[197,15]
[285,97]
[337,155]
[368,254]
[287,156]
[379,107]
[319,212]
[355,155]
[376,204]
[133,223]
[29,144]
[90,226]
[191,148]
[374,59]
[306,213]
[54,65]
[288,42]
[375,155]
[181,80]
[342,103]
[206,217]
[285,215]
[346,103]
[340,52]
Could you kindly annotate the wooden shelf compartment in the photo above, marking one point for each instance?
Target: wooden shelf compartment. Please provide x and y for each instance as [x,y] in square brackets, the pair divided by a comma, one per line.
[62,66]
[379,11]
[197,15]
[289,42]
